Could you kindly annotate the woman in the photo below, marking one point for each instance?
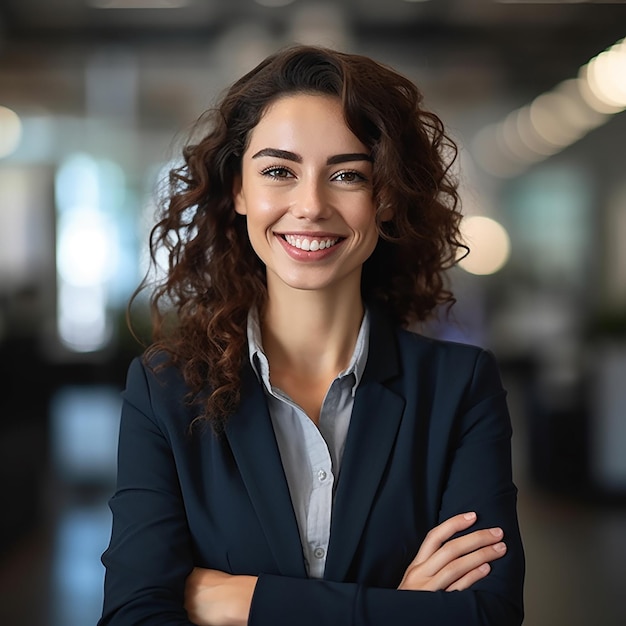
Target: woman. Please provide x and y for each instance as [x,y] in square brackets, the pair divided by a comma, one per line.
[289,453]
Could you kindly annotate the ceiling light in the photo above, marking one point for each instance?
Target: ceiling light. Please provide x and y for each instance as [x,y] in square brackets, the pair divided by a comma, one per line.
[556,118]
[605,77]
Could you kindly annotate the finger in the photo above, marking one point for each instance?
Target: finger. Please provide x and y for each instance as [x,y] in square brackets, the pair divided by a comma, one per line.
[442,533]
[462,566]
[465,582]
[417,578]
[457,548]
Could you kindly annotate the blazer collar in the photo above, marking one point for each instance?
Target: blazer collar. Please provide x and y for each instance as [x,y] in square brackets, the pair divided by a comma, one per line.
[251,436]
[373,428]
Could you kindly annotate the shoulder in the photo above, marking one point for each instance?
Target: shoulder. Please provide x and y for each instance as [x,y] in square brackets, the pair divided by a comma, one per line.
[438,366]
[460,383]
[156,387]
[452,356]
[154,370]
[395,350]
[388,335]
[440,348]
[460,356]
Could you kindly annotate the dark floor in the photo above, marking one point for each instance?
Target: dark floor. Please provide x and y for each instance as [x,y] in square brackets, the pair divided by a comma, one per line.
[52,576]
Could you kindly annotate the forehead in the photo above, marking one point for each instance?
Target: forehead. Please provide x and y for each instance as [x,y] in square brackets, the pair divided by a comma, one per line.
[310,119]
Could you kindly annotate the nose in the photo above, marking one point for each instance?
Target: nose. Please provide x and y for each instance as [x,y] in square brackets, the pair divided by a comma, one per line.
[311,200]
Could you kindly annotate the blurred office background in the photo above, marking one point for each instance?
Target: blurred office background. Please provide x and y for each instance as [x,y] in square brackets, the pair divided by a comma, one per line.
[95,99]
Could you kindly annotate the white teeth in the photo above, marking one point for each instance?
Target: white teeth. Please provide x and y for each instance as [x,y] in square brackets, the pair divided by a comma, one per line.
[310,244]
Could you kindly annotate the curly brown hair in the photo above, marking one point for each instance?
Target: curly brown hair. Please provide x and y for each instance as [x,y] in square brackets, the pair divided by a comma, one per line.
[214,276]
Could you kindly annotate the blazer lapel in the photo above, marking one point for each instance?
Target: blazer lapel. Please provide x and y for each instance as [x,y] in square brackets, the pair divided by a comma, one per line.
[373,428]
[252,441]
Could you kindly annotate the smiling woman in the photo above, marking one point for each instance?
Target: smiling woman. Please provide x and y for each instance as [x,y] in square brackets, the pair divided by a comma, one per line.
[289,453]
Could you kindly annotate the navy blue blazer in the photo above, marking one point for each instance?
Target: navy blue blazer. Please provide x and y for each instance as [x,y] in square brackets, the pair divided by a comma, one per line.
[429,438]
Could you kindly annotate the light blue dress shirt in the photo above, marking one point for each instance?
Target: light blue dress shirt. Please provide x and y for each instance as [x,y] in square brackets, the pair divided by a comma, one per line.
[311,455]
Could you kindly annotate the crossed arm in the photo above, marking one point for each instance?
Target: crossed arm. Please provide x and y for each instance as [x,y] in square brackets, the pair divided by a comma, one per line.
[214,598]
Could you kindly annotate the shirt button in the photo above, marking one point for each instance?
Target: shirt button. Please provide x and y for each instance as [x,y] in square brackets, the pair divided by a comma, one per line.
[322,475]
[319,553]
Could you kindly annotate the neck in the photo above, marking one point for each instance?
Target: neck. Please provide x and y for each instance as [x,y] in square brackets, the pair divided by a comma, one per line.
[311,333]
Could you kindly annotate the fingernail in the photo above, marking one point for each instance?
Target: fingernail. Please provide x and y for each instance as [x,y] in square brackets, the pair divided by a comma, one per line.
[496,532]
[484,567]
[500,547]
[470,515]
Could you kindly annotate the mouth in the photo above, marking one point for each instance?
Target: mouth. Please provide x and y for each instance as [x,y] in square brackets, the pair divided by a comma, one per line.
[310,244]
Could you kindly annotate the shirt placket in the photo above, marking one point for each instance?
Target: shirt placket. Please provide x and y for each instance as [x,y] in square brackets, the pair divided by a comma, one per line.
[320,505]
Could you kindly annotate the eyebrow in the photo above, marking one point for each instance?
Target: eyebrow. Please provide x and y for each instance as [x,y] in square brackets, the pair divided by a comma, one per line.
[292,156]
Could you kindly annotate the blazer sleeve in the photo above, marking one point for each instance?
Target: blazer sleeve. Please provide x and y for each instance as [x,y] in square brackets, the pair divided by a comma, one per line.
[149,555]
[476,476]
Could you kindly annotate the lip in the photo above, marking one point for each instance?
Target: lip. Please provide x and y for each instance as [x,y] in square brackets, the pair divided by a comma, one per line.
[309,255]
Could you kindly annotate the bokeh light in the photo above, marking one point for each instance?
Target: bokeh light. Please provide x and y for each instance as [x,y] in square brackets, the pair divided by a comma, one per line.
[10,131]
[489,245]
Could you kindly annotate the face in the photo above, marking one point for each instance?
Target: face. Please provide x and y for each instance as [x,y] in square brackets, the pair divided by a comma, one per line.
[306,192]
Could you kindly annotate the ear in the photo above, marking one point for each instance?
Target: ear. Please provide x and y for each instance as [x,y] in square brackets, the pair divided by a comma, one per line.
[238,198]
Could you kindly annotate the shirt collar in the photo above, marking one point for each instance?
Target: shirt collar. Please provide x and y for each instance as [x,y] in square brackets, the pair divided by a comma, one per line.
[261,365]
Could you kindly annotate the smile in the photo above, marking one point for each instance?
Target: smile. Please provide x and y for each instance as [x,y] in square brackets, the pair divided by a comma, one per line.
[310,243]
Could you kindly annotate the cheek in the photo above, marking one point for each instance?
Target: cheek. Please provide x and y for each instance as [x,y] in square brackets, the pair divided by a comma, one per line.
[365,221]
[259,243]
[260,220]
[267,205]
[372,234]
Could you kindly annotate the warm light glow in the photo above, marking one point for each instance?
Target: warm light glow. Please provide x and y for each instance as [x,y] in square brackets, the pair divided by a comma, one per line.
[489,245]
[606,75]
[10,131]
[557,118]
[533,136]
[580,116]
[589,92]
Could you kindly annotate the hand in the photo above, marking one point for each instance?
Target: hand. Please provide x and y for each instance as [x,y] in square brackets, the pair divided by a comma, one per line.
[453,564]
[214,598]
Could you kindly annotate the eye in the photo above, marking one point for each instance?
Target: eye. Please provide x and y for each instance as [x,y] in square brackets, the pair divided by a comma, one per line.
[350,176]
[277,171]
